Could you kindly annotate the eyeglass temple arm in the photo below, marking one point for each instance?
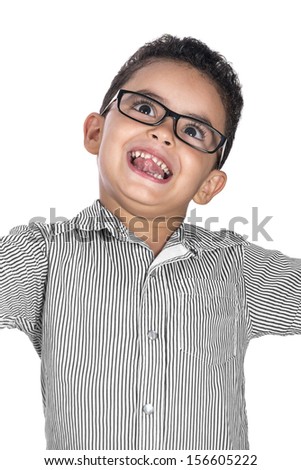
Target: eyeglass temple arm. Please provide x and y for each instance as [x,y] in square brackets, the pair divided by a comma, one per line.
[222,159]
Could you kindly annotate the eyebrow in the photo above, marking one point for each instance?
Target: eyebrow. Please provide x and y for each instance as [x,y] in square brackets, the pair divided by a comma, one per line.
[199,117]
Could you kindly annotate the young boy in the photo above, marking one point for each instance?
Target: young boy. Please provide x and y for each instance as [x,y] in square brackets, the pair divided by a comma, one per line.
[141,320]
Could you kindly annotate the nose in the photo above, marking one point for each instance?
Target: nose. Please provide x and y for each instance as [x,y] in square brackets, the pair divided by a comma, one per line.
[164,132]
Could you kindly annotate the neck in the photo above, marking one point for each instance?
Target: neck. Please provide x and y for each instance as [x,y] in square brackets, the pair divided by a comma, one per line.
[154,231]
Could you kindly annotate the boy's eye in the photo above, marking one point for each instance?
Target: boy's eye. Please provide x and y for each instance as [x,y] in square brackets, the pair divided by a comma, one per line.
[195,131]
[145,108]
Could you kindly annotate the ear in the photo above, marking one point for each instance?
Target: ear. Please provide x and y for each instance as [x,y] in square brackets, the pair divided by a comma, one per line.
[213,185]
[93,127]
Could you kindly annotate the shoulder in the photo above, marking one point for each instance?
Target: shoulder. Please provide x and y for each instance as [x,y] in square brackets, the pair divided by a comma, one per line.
[208,240]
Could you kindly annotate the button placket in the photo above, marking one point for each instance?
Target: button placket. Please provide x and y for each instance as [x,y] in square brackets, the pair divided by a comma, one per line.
[151,373]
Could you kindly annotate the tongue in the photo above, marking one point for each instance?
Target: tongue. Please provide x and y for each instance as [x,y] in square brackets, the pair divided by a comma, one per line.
[147,165]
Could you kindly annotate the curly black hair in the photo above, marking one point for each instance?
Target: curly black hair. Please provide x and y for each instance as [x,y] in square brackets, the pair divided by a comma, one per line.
[200,56]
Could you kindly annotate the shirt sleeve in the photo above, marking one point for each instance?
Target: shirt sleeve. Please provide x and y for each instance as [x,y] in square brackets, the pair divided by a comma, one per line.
[23,272]
[273,291]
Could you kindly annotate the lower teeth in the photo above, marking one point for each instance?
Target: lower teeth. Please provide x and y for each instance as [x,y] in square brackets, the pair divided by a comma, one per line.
[152,174]
[158,177]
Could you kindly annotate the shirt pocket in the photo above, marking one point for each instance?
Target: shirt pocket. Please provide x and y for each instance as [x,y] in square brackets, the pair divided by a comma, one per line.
[208,321]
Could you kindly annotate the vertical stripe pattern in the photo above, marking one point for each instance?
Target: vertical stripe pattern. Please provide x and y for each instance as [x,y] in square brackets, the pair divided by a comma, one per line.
[142,352]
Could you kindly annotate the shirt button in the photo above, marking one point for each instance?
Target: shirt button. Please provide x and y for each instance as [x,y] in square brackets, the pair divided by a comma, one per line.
[148,409]
[152,334]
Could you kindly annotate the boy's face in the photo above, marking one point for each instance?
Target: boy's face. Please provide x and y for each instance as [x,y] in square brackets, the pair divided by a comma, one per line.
[183,90]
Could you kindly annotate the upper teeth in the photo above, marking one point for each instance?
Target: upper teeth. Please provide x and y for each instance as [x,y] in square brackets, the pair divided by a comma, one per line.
[145,155]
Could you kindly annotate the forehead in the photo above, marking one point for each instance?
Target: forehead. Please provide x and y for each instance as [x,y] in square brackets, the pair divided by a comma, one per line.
[182,88]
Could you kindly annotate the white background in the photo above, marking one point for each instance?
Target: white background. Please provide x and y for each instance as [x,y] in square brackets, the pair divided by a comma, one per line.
[57,61]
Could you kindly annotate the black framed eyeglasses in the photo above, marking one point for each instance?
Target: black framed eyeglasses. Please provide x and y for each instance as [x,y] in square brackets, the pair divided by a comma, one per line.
[196,133]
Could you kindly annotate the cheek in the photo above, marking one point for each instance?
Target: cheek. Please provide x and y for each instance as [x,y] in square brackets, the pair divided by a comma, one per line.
[118,128]
[196,164]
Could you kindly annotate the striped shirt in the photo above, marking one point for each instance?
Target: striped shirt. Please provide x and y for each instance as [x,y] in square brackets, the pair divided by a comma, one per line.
[141,352]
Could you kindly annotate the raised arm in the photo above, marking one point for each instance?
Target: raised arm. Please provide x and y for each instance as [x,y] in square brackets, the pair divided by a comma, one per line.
[23,272]
[273,291]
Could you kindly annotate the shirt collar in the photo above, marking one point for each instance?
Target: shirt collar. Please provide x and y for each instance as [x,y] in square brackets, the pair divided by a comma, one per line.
[193,237]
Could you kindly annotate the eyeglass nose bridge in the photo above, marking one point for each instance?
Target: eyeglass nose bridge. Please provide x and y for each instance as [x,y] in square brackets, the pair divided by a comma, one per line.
[169,113]
[175,117]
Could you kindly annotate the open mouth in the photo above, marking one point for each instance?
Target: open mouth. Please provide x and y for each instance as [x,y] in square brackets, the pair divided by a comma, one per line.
[150,165]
